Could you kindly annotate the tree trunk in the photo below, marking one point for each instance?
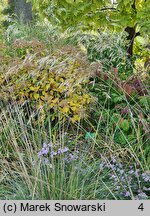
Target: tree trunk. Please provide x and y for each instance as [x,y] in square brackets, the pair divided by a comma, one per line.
[131,33]
[131,36]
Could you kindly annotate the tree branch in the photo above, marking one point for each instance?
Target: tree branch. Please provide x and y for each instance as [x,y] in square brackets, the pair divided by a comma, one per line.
[108,8]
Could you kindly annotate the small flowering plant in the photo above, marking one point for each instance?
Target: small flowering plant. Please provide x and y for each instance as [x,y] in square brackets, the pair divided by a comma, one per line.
[131,182]
[49,152]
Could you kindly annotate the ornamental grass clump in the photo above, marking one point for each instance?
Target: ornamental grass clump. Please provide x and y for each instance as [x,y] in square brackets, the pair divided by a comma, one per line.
[131,182]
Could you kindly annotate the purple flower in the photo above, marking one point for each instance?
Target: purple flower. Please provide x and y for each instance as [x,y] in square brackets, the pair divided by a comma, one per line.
[137,172]
[122,179]
[131,167]
[53,153]
[65,149]
[101,166]
[113,176]
[45,151]
[126,194]
[71,157]
[120,165]
[141,195]
[50,144]
[39,154]
[146,189]
[131,171]
[121,171]
[112,167]
[61,151]
[45,161]
[117,187]
[114,160]
[146,176]
[44,145]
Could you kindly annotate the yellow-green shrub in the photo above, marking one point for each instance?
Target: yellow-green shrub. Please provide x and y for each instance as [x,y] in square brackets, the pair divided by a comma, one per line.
[56,81]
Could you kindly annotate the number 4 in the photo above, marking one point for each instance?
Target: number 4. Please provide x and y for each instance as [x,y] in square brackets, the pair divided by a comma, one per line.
[141,207]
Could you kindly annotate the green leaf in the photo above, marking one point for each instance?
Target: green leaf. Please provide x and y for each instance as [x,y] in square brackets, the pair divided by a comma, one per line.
[120,138]
[124,125]
[89,135]
[115,118]
[96,13]
[144,101]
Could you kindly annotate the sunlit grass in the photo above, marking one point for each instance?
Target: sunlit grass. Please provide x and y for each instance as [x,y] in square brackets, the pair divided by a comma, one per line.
[24,176]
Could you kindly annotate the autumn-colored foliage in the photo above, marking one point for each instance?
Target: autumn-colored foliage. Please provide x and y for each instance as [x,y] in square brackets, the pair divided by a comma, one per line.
[50,81]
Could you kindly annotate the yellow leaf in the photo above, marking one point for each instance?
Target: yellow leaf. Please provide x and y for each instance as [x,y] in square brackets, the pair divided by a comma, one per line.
[55,100]
[42,111]
[47,86]
[75,118]
[51,105]
[71,103]
[86,96]
[36,96]
[61,88]
[42,97]
[51,80]
[88,100]
[63,103]
[32,88]
[51,93]
[65,109]
[61,80]
[74,109]
[53,117]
